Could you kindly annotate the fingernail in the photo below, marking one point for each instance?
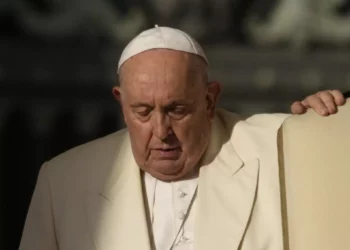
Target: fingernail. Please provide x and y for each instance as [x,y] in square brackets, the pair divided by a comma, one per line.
[332,110]
[323,112]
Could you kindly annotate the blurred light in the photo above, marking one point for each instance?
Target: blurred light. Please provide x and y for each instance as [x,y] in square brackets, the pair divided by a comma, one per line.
[311,80]
[88,117]
[43,114]
[347,84]
[265,78]
[87,73]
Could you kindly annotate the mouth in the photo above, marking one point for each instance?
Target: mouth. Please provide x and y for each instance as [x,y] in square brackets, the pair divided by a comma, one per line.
[168,153]
[168,149]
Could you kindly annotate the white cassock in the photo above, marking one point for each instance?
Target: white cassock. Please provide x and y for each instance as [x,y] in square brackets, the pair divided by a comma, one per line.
[171,207]
[92,197]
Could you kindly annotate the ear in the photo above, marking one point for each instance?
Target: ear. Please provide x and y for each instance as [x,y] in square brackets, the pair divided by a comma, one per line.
[117,93]
[213,92]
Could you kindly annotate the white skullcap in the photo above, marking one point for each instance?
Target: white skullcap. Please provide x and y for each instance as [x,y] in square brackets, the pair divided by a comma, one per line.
[161,38]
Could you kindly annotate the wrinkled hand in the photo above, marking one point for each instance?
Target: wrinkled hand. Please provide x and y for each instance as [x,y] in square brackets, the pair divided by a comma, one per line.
[323,102]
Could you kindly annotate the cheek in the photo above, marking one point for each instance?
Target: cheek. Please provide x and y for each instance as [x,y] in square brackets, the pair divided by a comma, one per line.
[140,135]
[192,131]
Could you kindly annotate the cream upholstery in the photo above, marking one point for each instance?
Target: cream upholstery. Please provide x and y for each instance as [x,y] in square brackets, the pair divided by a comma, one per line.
[315,171]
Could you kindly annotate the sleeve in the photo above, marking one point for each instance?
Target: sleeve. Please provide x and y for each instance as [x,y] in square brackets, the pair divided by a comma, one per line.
[39,228]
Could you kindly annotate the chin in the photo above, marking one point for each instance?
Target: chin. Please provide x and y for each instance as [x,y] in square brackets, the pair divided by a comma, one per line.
[169,170]
[167,177]
[160,173]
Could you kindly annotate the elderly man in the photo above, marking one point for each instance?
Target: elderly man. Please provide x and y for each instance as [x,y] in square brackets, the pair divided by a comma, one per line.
[183,175]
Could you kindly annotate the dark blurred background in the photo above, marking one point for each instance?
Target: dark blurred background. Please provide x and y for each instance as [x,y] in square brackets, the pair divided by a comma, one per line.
[58,60]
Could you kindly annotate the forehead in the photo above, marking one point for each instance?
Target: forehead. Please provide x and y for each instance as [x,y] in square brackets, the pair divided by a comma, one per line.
[164,73]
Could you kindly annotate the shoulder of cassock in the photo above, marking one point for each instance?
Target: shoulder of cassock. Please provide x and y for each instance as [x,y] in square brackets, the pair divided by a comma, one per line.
[253,135]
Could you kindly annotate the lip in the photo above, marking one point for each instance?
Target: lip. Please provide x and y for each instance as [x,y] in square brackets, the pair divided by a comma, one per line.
[167,148]
[167,153]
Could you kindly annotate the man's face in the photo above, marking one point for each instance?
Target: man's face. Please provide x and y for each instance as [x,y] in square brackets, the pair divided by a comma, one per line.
[168,106]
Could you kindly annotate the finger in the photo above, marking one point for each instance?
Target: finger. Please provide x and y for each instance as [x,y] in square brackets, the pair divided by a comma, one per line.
[298,108]
[315,103]
[338,97]
[328,99]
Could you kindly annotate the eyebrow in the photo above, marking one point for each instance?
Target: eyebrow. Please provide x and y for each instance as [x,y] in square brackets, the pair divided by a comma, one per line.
[173,103]
[139,104]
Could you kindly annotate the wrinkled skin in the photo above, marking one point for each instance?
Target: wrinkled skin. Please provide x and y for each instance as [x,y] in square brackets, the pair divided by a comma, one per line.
[168,106]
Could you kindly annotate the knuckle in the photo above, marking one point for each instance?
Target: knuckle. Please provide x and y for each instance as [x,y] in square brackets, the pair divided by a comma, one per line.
[336,93]
[326,96]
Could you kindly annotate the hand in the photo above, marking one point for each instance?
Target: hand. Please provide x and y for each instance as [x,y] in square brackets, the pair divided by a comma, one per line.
[323,102]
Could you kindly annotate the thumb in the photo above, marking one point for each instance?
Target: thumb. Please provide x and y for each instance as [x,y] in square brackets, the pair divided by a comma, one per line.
[298,108]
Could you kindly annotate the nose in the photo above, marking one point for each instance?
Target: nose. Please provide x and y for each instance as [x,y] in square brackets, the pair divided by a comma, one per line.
[161,126]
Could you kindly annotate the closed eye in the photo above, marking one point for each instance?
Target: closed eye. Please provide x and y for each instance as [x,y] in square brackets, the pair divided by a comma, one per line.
[178,110]
[142,111]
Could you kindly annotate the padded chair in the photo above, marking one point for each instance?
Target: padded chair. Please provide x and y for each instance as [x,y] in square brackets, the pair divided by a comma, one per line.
[314,160]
